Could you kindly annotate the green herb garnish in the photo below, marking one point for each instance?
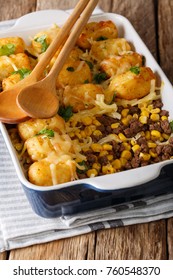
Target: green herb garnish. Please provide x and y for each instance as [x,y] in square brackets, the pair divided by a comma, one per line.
[48,132]
[100,77]
[7,49]
[70,69]
[66,113]
[42,41]
[81,171]
[171,125]
[89,64]
[101,38]
[135,69]
[86,81]
[23,72]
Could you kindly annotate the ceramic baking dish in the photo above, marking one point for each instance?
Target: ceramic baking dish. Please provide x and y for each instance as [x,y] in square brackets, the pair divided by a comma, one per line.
[87,194]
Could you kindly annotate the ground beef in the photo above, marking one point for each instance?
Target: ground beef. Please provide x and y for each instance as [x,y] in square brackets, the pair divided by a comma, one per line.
[157,103]
[165,126]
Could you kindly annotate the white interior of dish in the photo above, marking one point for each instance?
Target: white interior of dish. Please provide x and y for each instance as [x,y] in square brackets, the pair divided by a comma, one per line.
[29,25]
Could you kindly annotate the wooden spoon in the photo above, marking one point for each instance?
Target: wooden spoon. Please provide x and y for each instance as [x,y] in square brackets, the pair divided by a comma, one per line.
[13,104]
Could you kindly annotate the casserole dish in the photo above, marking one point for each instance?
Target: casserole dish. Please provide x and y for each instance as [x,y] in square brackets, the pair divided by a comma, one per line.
[88,194]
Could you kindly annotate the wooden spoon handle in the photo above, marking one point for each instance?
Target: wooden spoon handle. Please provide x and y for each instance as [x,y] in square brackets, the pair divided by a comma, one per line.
[59,40]
[70,42]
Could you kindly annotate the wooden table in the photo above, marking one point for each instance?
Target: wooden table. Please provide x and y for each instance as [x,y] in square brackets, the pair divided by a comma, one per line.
[153,21]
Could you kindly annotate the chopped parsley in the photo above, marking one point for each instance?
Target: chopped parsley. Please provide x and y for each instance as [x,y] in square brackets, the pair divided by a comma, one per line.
[100,77]
[101,38]
[135,69]
[89,64]
[66,112]
[23,72]
[81,171]
[171,125]
[7,49]
[42,41]
[70,69]
[48,132]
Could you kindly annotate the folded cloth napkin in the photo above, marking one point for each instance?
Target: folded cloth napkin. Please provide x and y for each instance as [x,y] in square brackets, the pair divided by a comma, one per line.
[20,226]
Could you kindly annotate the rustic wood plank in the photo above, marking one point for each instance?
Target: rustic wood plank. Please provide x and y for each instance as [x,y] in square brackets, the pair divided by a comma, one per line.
[11,10]
[136,242]
[165,19]
[75,248]
[51,4]
[3,256]
[170,239]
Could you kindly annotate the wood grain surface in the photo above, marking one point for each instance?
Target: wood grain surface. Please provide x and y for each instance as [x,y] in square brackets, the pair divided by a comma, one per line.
[153,21]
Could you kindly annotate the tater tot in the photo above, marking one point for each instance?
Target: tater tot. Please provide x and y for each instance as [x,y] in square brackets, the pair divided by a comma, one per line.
[9,82]
[120,64]
[74,72]
[103,49]
[19,44]
[31,127]
[130,85]
[81,97]
[44,173]
[97,31]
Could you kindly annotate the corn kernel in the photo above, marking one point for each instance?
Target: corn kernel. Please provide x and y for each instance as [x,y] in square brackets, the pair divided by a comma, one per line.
[123,161]
[150,107]
[126,154]
[143,119]
[147,135]
[87,120]
[135,116]
[129,117]
[78,134]
[88,130]
[152,154]
[155,111]
[164,118]
[145,156]
[133,142]
[115,125]
[155,117]
[125,121]
[155,133]
[71,134]
[145,113]
[97,133]
[96,147]
[83,134]
[107,147]
[122,137]
[116,164]
[92,172]
[110,157]
[103,153]
[151,144]
[124,112]
[165,136]
[127,146]
[96,165]
[135,148]
[108,169]
[96,122]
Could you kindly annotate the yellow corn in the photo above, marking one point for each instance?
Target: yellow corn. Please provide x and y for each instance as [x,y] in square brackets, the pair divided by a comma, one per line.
[83,134]
[126,154]
[164,118]
[143,119]
[135,148]
[96,166]
[125,121]
[87,120]
[96,147]
[133,142]
[92,172]
[145,156]
[155,111]
[122,137]
[116,164]
[155,117]
[97,132]
[124,112]
[108,169]
[107,147]
[165,136]
[147,135]
[110,157]
[88,130]
[115,125]
[78,134]
[127,146]
[103,153]
[123,161]
[135,116]
[71,134]
[151,144]
[155,133]
[145,113]
[150,107]
[96,122]
[152,154]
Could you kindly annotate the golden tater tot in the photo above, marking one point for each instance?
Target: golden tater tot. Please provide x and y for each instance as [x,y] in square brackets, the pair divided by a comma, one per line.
[81,97]
[103,49]
[31,127]
[74,72]
[97,31]
[44,173]
[9,82]
[13,44]
[131,85]
[9,64]
[120,64]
